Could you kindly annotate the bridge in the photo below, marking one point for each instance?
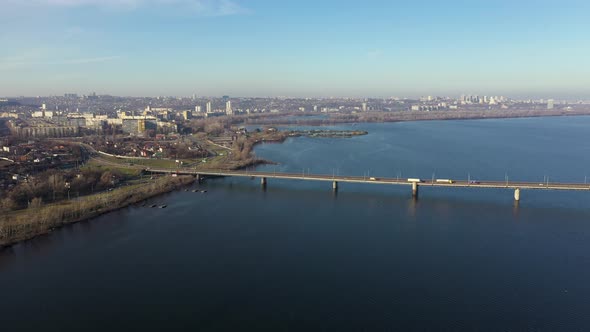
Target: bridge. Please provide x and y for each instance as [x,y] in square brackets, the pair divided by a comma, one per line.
[517,186]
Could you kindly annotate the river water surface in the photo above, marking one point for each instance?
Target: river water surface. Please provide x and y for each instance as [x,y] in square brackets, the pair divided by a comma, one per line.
[298,257]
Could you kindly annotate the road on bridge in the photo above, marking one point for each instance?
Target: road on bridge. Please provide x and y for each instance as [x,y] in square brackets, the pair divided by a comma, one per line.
[381,180]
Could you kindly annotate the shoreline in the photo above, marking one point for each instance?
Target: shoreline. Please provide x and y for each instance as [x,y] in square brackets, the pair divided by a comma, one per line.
[25,225]
[284,135]
[392,117]
[13,231]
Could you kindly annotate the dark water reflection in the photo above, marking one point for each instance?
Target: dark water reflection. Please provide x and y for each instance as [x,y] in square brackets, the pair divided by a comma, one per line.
[298,256]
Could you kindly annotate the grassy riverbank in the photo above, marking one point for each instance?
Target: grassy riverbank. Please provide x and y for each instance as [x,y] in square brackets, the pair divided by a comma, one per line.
[408,116]
[21,223]
[25,224]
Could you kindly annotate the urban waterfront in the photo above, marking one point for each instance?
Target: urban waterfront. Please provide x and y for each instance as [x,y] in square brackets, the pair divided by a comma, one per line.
[298,256]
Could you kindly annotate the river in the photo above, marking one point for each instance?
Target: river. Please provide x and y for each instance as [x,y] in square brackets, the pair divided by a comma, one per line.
[296,256]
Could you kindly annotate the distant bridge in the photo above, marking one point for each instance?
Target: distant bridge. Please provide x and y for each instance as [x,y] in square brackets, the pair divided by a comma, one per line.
[413,183]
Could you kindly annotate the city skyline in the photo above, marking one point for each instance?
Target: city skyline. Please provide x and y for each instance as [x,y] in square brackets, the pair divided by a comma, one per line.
[265,49]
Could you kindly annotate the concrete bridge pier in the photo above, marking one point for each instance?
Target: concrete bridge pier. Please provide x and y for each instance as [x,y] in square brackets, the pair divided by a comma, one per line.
[415,189]
[335,185]
[517,194]
[263,182]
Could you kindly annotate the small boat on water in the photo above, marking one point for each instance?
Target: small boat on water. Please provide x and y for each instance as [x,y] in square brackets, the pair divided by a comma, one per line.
[163,206]
[153,205]
[203,191]
[195,190]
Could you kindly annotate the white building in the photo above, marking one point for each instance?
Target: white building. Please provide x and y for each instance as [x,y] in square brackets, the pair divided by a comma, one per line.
[42,114]
[228,109]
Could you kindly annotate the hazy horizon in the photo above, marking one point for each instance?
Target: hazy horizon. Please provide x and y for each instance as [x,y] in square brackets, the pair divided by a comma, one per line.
[400,97]
[305,49]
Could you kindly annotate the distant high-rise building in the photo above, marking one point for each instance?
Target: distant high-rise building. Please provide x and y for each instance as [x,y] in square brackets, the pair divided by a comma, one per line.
[186,115]
[228,109]
[197,109]
[44,107]
[550,103]
[208,107]
[364,107]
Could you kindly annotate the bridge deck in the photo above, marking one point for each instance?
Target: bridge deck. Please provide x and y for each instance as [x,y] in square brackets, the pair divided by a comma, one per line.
[380,180]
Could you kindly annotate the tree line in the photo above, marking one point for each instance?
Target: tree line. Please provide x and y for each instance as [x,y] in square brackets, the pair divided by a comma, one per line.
[55,185]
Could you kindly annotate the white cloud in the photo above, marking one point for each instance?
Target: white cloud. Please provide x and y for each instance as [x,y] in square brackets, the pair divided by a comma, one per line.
[24,61]
[73,32]
[374,54]
[197,7]
[86,60]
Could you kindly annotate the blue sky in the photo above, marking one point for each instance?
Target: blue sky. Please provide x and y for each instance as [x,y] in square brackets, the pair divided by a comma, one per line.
[295,48]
